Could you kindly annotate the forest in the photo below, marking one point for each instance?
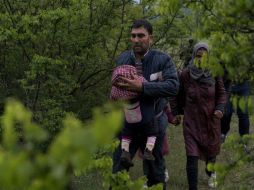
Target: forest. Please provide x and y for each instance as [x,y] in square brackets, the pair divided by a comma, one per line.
[56,60]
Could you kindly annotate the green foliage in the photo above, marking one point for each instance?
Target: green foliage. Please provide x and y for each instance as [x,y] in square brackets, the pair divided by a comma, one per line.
[78,149]
[169,7]
[73,148]
[56,56]
[122,181]
[242,154]
[16,121]
[227,25]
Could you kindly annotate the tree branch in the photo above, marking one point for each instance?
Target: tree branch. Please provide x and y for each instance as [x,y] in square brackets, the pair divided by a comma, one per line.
[88,78]
[11,12]
[121,31]
[166,28]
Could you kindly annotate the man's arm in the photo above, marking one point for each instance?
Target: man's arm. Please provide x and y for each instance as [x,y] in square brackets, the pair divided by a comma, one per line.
[168,87]
[170,84]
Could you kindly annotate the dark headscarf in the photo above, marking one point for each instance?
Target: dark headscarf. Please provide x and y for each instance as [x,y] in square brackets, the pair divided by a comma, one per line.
[197,73]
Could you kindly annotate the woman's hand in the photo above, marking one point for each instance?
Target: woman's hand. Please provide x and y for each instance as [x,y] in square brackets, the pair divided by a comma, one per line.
[176,120]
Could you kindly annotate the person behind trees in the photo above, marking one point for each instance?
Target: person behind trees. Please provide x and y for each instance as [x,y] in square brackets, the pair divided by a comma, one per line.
[133,114]
[152,65]
[201,99]
[241,91]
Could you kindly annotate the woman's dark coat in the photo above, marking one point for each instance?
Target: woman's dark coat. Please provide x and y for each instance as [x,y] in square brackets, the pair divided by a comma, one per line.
[201,126]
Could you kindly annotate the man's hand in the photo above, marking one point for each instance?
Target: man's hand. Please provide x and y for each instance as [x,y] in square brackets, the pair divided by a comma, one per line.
[134,84]
[218,114]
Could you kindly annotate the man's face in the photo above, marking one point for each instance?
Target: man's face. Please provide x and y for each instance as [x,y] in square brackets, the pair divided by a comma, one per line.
[141,40]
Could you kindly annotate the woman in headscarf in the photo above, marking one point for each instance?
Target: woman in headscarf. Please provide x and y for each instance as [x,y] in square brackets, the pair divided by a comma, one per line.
[202,99]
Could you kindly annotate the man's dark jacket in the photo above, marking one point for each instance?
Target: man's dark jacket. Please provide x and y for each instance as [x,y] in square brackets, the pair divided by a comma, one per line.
[155,65]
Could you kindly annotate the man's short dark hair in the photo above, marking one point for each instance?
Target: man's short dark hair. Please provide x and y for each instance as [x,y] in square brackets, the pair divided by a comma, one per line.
[143,23]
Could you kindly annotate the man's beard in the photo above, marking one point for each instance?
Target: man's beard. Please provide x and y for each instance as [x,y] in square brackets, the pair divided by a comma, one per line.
[139,50]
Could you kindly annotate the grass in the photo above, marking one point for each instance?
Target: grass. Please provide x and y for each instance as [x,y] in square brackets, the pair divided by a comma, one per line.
[176,161]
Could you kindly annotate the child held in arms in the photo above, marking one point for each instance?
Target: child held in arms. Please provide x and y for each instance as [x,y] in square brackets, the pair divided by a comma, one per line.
[134,116]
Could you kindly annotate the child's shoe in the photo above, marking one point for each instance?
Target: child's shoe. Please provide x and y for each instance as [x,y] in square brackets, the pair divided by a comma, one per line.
[125,159]
[148,155]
